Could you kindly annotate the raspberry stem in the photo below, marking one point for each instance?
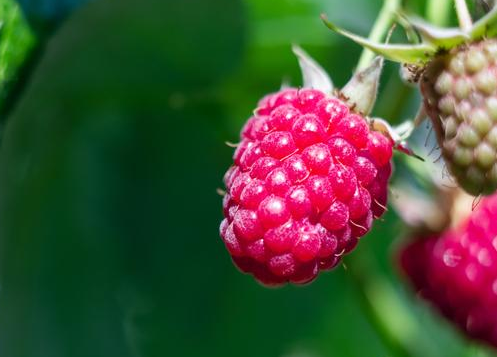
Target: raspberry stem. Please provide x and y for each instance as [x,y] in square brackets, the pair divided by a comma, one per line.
[381,26]
[465,22]
[437,12]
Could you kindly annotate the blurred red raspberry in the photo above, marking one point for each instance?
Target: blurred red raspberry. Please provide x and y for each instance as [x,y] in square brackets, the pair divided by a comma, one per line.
[457,271]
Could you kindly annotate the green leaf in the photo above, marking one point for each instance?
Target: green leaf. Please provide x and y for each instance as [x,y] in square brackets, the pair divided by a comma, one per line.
[413,54]
[486,26]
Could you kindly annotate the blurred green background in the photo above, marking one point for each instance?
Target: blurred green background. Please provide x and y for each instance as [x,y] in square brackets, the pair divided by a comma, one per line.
[109,214]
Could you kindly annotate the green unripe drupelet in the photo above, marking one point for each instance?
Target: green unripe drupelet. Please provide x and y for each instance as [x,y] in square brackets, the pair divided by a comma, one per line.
[460,95]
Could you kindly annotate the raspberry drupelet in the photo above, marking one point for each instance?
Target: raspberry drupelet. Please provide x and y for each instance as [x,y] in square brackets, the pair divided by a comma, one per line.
[309,177]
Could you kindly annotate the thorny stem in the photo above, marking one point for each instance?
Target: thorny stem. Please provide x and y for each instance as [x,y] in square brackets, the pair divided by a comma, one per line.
[463,15]
[381,26]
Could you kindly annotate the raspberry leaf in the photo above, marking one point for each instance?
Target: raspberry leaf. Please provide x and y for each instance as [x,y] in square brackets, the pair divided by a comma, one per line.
[314,76]
[413,54]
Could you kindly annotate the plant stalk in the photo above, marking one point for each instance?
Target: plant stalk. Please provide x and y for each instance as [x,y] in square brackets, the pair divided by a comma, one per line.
[438,12]
[381,26]
[463,16]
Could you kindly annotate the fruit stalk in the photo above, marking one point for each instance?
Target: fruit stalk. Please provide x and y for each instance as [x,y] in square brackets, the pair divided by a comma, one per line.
[381,26]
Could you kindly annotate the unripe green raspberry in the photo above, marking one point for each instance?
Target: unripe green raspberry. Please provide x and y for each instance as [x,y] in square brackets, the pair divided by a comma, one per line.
[460,94]
[457,72]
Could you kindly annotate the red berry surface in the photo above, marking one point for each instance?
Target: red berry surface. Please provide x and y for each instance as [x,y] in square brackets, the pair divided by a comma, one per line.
[457,271]
[309,177]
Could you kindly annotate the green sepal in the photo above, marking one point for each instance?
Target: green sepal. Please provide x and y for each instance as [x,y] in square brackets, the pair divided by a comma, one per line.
[439,37]
[486,26]
[361,90]
[313,75]
[413,54]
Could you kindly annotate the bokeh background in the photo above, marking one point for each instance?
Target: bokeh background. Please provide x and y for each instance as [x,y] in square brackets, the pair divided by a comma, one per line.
[109,165]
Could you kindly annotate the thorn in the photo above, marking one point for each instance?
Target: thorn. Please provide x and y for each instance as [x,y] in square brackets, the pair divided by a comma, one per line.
[402,147]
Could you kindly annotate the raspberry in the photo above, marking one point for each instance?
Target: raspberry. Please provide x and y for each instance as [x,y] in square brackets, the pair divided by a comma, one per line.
[309,177]
[460,95]
[457,271]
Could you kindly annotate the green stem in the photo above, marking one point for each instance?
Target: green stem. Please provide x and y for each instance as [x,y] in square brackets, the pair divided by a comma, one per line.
[465,22]
[438,12]
[381,26]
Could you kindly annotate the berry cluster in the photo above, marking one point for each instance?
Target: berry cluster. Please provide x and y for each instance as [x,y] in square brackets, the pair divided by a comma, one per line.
[309,177]
[457,271]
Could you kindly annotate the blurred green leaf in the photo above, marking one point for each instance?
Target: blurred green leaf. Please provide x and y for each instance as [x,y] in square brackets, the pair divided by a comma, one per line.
[17,42]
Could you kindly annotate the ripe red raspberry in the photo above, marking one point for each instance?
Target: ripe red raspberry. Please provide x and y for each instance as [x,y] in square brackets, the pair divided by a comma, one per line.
[457,271]
[309,177]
